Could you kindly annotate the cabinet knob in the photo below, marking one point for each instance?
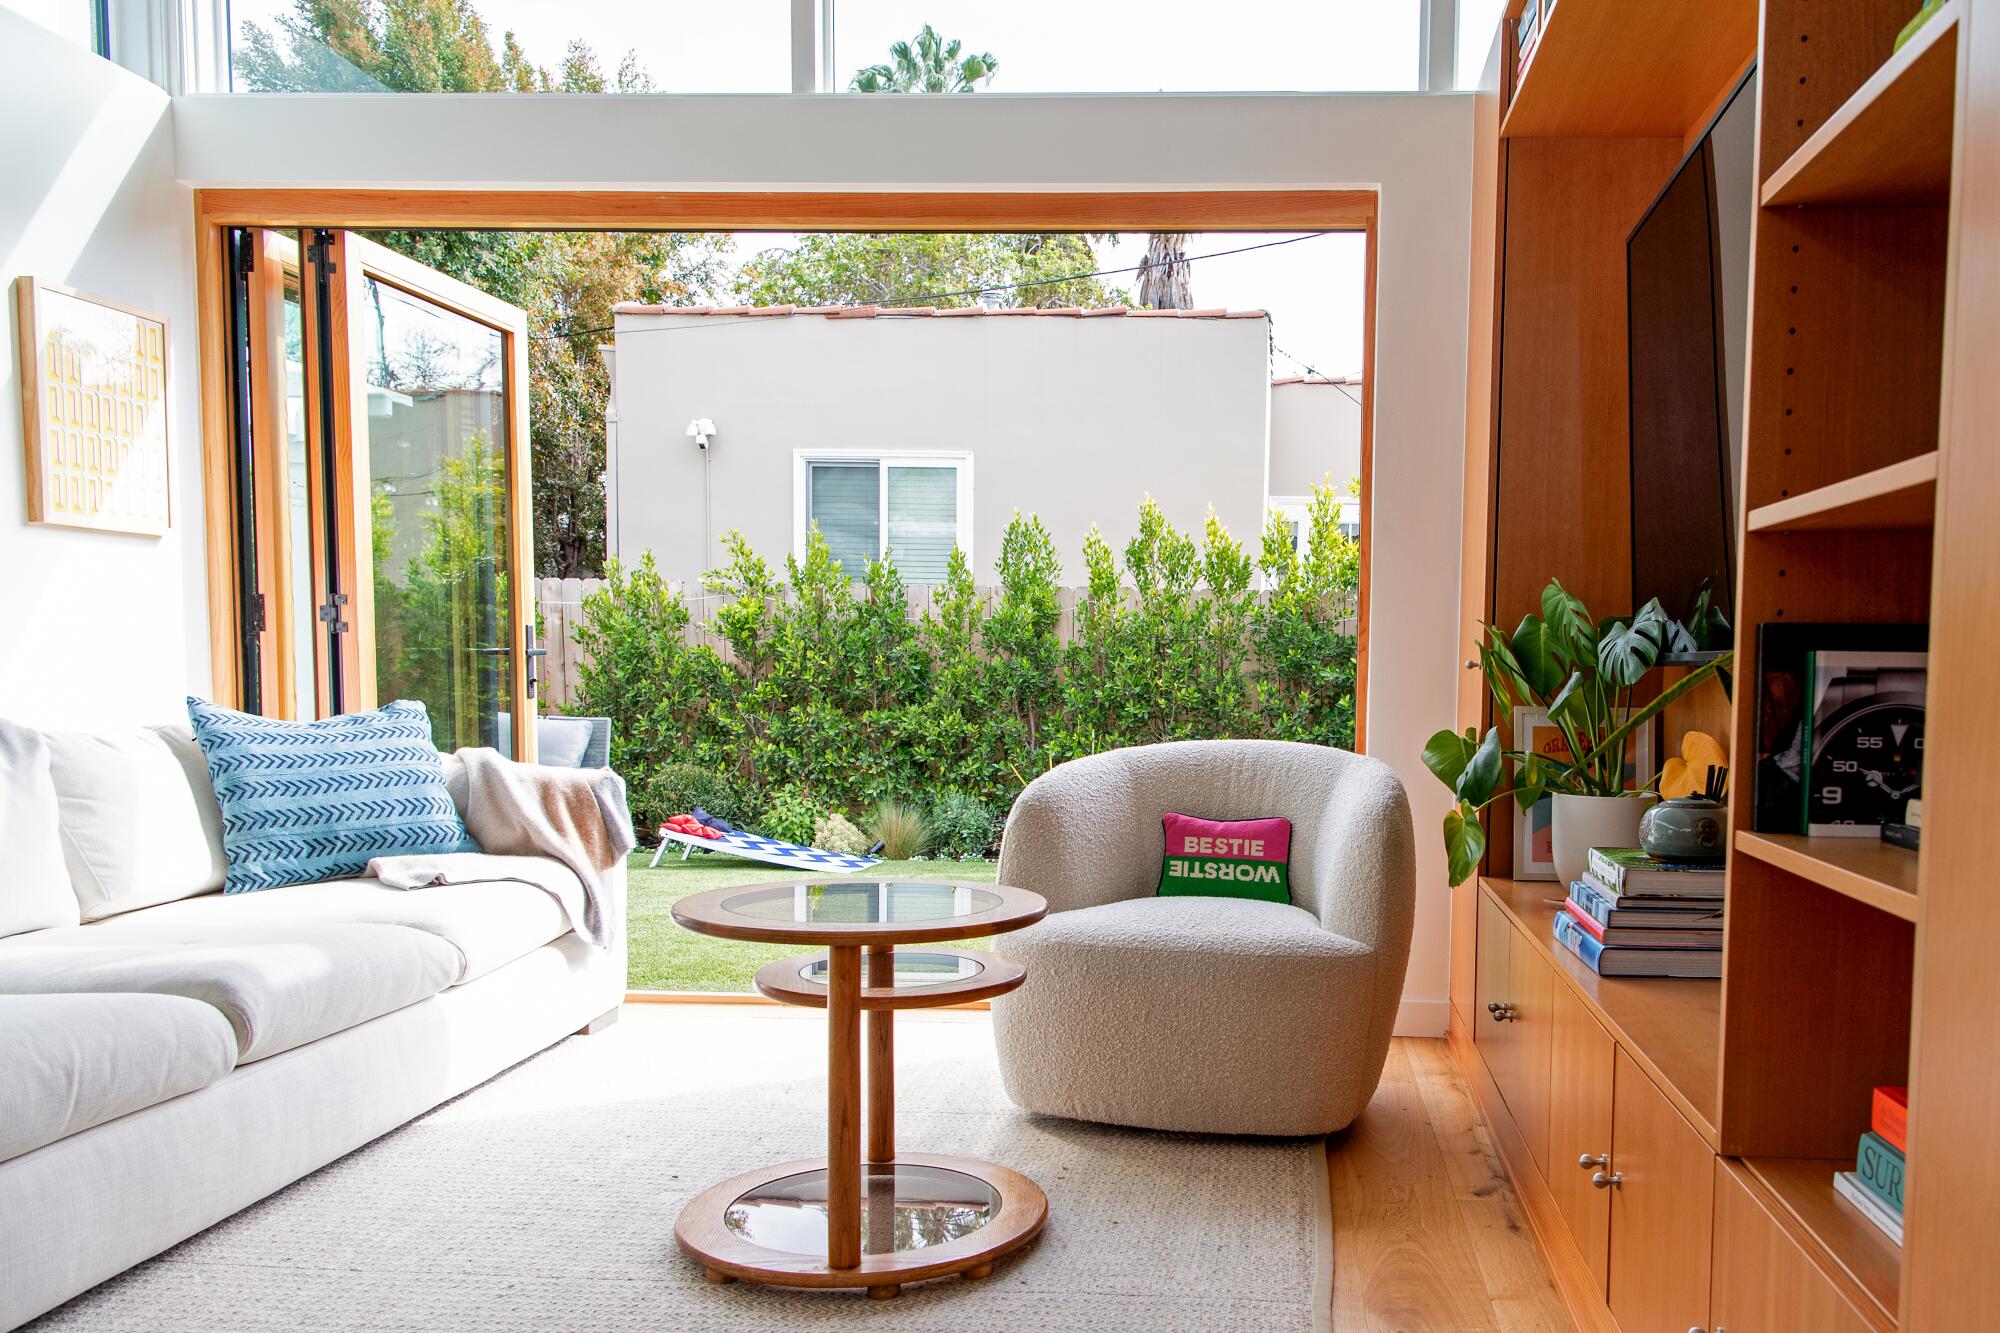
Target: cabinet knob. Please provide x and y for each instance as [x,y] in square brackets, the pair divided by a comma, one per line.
[1472,664]
[1589,1160]
[1604,1182]
[1502,1013]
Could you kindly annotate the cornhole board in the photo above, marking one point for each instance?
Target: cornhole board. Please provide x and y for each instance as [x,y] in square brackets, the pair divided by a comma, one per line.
[767,850]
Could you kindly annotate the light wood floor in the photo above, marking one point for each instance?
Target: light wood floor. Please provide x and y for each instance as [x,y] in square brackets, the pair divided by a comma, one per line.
[1427,1233]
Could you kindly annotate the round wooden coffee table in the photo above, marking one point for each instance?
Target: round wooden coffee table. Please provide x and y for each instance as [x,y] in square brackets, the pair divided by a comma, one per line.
[834,1221]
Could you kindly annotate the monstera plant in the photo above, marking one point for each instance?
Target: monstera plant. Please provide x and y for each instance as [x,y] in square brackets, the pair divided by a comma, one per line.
[1583,673]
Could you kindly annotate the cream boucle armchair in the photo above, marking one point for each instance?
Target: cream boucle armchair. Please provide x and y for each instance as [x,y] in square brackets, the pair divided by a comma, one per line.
[1221,1015]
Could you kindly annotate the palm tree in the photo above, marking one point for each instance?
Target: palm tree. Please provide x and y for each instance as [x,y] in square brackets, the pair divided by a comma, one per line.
[1163,283]
[932,65]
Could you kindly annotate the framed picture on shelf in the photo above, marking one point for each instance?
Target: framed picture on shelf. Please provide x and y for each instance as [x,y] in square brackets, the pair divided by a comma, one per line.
[1534,826]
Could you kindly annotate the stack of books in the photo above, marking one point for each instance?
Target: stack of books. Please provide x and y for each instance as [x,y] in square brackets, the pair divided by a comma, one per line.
[1875,1185]
[1528,33]
[1634,916]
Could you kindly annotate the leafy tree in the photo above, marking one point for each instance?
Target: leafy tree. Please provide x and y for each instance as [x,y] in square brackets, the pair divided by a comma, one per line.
[567,282]
[926,64]
[943,269]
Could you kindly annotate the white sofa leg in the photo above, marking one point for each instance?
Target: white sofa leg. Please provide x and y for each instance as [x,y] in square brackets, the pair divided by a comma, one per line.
[601,1022]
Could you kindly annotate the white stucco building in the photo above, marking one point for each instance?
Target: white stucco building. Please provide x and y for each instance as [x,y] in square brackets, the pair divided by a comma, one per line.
[914,430]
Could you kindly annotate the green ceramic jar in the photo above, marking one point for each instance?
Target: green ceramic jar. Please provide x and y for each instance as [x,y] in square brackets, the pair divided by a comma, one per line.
[1689,830]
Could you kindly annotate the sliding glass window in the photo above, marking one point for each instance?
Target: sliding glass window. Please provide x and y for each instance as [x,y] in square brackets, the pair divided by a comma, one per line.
[511,46]
[863,46]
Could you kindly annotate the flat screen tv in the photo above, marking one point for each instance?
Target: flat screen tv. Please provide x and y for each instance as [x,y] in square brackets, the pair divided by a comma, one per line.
[1687,267]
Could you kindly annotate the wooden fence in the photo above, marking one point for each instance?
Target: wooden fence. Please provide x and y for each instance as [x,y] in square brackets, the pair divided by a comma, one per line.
[561,604]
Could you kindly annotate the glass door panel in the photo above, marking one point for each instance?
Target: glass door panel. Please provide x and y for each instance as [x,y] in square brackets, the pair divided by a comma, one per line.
[387,543]
[438,470]
[437,484]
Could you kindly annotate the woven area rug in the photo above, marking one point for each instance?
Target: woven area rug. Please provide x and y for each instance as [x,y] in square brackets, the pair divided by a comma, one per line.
[545,1199]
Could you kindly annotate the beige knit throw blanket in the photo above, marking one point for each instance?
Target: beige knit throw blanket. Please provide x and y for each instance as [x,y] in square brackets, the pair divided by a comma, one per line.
[574,816]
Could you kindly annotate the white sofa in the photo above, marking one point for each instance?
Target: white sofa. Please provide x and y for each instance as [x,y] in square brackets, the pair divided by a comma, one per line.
[169,1055]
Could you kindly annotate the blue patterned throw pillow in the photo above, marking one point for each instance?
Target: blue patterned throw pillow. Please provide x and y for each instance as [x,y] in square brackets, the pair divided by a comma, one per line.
[305,801]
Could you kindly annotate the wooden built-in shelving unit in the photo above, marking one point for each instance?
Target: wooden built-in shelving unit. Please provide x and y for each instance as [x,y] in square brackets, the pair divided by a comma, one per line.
[1670,1028]
[1882,145]
[1625,71]
[1841,1238]
[1863,869]
[1869,492]
[1901,495]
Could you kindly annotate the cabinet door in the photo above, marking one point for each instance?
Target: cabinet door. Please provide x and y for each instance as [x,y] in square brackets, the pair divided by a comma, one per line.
[1531,986]
[1661,1209]
[1489,1031]
[1764,1283]
[1581,1053]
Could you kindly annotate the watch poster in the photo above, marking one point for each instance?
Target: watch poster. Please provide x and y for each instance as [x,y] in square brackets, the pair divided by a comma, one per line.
[1779,768]
[1864,740]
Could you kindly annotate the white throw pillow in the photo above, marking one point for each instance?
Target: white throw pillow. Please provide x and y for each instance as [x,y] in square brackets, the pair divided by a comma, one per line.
[139,820]
[35,891]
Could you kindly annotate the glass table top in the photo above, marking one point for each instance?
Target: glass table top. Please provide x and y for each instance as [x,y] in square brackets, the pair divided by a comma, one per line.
[860,902]
[903,1207]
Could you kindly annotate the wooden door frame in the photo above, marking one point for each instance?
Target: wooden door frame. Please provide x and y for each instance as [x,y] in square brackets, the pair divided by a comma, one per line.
[641,210]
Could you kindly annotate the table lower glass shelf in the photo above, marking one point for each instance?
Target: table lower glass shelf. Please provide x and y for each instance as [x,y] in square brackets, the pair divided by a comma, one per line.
[922,1216]
[921,977]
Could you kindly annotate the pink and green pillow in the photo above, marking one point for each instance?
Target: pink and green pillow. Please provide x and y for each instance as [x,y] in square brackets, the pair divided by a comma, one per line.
[1236,858]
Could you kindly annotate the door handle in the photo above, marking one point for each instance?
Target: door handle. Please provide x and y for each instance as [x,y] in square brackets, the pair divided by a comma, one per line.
[1604,1182]
[1589,1160]
[1502,1013]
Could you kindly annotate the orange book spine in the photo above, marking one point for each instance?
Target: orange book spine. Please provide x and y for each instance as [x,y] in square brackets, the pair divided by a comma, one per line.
[1891,1116]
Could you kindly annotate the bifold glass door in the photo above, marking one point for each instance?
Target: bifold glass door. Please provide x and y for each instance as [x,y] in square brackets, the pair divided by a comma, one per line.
[384,526]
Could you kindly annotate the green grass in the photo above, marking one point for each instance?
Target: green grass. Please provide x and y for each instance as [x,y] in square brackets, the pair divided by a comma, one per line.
[666,957]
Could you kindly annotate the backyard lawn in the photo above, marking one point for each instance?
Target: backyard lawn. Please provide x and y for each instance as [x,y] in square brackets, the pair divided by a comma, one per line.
[665,957]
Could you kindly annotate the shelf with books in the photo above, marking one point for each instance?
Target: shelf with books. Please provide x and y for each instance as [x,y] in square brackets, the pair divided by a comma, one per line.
[1670,1026]
[1865,869]
[1901,495]
[1842,1238]
[1602,71]
[1890,142]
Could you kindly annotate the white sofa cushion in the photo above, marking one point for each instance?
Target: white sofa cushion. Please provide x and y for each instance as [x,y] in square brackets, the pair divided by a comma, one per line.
[279,986]
[138,817]
[74,1061]
[489,924]
[35,891]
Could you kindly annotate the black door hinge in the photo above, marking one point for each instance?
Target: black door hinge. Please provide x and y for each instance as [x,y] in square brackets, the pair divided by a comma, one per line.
[257,614]
[321,250]
[329,614]
[246,258]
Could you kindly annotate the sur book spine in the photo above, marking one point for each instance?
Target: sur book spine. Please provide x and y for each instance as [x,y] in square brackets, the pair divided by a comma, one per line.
[1880,1168]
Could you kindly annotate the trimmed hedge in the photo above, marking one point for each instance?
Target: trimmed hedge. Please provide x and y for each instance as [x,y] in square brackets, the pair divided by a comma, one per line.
[835,698]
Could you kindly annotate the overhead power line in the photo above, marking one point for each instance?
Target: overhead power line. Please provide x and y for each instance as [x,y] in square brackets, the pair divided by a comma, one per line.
[931,297]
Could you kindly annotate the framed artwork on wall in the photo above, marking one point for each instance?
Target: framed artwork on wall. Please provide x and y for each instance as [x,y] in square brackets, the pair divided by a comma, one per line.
[93,411]
[1534,834]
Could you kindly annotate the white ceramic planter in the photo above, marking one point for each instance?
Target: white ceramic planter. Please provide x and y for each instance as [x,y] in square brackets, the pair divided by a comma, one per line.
[1583,822]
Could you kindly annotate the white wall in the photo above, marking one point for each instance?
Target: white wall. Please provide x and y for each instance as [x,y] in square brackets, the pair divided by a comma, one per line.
[1315,435]
[1074,420]
[96,627]
[1416,149]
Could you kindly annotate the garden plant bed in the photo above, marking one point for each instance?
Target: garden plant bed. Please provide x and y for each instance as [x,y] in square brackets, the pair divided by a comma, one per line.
[666,957]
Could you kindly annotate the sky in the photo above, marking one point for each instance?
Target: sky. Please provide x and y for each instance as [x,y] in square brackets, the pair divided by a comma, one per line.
[691,46]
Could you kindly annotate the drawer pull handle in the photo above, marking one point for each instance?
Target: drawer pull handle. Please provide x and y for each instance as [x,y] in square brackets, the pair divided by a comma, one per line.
[1589,1160]
[1604,1182]
[1502,1013]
